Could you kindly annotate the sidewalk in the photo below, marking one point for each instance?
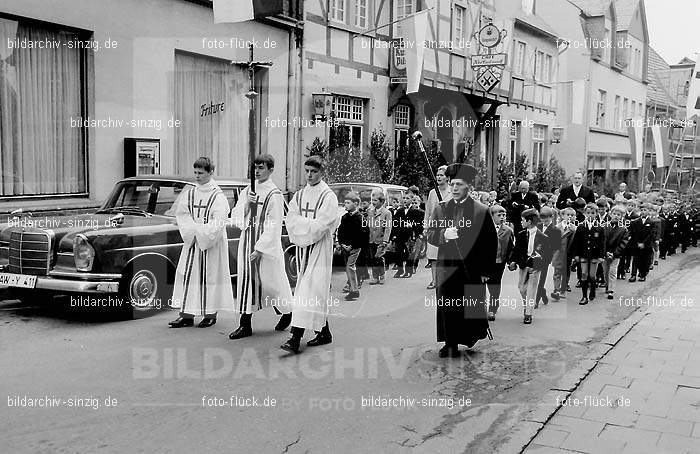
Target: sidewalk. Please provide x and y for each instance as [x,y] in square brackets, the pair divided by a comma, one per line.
[643,396]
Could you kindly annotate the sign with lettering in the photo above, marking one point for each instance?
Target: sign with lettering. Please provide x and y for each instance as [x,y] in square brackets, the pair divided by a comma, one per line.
[488,80]
[489,60]
[397,62]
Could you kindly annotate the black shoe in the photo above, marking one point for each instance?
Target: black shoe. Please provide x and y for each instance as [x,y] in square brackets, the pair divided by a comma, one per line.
[527,319]
[399,273]
[428,265]
[352,296]
[181,322]
[545,300]
[395,267]
[578,284]
[292,345]
[651,267]
[407,274]
[633,279]
[449,350]
[583,301]
[241,332]
[206,322]
[656,262]
[642,279]
[610,295]
[663,258]
[320,339]
[555,296]
[568,288]
[491,316]
[591,293]
[431,286]
[284,322]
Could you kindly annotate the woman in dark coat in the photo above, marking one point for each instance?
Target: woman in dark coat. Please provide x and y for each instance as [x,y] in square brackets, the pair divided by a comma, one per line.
[467,244]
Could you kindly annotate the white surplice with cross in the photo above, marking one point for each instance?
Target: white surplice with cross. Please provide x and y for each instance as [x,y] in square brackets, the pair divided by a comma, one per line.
[264,282]
[203,279]
[311,221]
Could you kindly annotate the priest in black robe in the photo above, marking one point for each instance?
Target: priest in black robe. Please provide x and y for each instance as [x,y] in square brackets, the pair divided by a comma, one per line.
[467,244]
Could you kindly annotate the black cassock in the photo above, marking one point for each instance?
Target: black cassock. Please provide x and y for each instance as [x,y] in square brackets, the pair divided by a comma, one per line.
[461,296]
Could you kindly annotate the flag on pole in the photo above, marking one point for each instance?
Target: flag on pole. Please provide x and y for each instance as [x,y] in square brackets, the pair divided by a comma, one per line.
[243,10]
[636,145]
[416,30]
[692,106]
[661,145]
[578,93]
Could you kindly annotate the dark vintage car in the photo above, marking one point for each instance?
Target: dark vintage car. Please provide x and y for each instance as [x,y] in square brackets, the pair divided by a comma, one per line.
[125,252]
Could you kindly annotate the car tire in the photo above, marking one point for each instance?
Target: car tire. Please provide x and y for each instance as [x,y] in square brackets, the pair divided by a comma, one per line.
[146,288]
[290,264]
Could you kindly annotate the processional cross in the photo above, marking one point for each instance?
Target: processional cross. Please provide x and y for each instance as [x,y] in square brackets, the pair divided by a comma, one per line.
[252,65]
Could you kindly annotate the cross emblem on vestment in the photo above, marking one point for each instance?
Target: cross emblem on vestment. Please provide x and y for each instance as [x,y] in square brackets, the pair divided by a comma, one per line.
[307,210]
[199,207]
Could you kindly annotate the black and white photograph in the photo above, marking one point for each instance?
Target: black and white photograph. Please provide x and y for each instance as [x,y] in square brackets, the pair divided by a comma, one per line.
[350,226]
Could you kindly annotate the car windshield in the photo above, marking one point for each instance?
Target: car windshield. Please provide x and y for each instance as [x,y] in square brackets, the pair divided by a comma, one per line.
[364,190]
[153,197]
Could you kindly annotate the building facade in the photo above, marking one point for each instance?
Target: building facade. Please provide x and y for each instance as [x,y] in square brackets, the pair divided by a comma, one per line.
[348,47]
[78,78]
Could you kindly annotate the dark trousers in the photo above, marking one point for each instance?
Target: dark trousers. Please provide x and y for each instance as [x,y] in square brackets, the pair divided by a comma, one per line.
[400,254]
[624,265]
[377,263]
[299,332]
[641,260]
[494,286]
[541,291]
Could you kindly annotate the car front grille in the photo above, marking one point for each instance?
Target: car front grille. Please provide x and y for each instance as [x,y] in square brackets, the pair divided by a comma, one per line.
[30,252]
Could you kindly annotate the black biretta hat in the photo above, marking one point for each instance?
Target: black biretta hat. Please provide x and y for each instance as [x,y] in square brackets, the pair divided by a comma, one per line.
[464,172]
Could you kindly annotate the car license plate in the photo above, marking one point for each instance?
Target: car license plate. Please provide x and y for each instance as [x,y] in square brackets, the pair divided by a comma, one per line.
[17,280]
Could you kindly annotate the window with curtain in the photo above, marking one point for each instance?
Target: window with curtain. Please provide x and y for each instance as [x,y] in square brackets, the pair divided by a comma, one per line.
[211,105]
[42,146]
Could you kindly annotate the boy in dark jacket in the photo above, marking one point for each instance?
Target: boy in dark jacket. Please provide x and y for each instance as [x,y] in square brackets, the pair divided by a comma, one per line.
[530,247]
[616,238]
[562,259]
[350,238]
[554,243]
[588,249]
[506,244]
[642,234]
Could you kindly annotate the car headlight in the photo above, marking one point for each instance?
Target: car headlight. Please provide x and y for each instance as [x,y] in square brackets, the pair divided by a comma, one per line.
[83,253]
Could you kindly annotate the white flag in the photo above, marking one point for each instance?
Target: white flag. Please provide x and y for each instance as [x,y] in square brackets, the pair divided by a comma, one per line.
[416,30]
[692,106]
[233,11]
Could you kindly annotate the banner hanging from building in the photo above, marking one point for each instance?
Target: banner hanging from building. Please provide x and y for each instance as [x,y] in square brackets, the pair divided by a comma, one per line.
[416,31]
[661,145]
[244,10]
[636,145]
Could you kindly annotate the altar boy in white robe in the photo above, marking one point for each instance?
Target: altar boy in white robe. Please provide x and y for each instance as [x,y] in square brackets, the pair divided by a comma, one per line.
[312,219]
[262,279]
[202,279]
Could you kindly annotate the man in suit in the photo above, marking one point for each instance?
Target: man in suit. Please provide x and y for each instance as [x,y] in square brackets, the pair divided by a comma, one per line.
[569,194]
[622,193]
[554,244]
[642,237]
[520,201]
[530,249]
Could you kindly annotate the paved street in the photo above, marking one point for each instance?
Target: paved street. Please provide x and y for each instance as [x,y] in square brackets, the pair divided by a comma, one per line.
[644,394]
[176,387]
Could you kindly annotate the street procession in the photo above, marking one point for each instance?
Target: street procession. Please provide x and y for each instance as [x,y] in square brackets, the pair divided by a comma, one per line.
[350,226]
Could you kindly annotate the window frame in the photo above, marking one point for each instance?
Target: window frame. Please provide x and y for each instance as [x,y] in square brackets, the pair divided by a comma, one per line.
[333,9]
[357,16]
[86,101]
